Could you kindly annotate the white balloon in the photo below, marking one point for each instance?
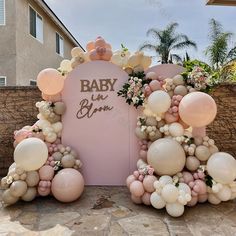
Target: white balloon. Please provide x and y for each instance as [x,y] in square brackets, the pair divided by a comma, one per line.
[157,201]
[175,209]
[76,51]
[43,124]
[221,167]
[176,129]
[213,199]
[224,194]
[57,127]
[166,179]
[185,188]
[31,154]
[170,193]
[166,156]
[159,102]
[66,65]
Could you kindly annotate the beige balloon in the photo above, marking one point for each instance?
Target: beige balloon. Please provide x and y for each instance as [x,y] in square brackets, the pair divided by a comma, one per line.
[166,156]
[8,198]
[68,161]
[29,195]
[202,153]
[32,178]
[59,108]
[176,129]
[180,90]
[221,167]
[18,188]
[31,154]
[192,163]
[140,134]
[178,80]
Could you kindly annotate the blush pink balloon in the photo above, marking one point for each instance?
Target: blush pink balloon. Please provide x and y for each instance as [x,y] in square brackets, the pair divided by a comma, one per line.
[197,109]
[136,188]
[130,180]
[202,188]
[146,198]
[50,81]
[90,46]
[143,154]
[44,191]
[202,197]
[67,185]
[193,201]
[155,85]
[52,98]
[169,118]
[46,172]
[136,200]
[187,177]
[148,183]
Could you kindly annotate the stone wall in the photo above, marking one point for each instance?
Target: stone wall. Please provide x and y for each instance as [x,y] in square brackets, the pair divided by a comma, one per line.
[17,109]
[223,129]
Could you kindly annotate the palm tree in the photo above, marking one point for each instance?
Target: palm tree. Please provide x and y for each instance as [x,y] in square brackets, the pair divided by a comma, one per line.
[218,51]
[166,42]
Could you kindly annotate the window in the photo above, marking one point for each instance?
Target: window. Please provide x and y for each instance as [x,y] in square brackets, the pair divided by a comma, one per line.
[2,12]
[59,45]
[33,83]
[3,81]
[36,24]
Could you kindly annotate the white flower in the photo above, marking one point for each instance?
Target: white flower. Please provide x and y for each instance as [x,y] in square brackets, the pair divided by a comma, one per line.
[120,58]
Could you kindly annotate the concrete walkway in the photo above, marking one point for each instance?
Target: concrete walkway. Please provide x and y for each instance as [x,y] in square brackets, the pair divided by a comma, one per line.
[109,211]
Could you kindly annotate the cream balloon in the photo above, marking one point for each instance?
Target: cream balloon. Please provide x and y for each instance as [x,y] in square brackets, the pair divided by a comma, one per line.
[31,154]
[169,193]
[221,167]
[224,194]
[66,65]
[18,188]
[166,156]
[175,209]
[202,153]
[159,102]
[192,163]
[157,201]
[176,129]
[8,199]
[32,178]
[213,199]
[29,195]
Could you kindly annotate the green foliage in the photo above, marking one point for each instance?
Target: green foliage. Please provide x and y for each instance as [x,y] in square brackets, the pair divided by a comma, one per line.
[167,41]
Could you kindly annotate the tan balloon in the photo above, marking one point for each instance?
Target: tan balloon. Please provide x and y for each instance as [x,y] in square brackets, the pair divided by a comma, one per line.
[68,161]
[166,156]
[18,188]
[178,80]
[32,178]
[192,163]
[59,108]
[213,149]
[140,134]
[8,198]
[202,153]
[29,195]
[180,90]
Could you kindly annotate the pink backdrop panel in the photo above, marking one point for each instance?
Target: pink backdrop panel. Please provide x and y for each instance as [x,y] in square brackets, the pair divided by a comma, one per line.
[166,70]
[98,124]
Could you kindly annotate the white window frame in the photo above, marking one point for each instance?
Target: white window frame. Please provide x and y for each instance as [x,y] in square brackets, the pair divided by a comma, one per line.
[41,41]
[35,81]
[4,12]
[60,54]
[5,78]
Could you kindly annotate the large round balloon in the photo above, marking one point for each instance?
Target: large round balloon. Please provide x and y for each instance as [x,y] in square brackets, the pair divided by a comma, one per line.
[166,156]
[197,109]
[31,154]
[159,102]
[221,167]
[50,81]
[67,185]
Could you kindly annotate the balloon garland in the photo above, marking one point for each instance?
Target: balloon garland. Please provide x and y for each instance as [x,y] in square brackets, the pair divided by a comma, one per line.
[177,166]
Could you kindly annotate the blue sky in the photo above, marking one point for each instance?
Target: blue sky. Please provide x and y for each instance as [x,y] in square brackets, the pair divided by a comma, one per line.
[127,21]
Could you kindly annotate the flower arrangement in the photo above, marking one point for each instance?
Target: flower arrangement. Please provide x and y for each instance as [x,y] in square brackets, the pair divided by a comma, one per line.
[133,89]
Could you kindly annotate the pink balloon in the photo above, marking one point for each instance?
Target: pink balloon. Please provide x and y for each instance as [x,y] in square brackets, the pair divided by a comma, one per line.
[52,98]
[136,200]
[193,201]
[50,81]
[130,180]
[146,198]
[148,183]
[188,177]
[136,188]
[155,85]
[201,185]
[46,172]
[67,185]
[20,135]
[202,197]
[44,191]
[169,118]
[197,109]
[199,132]
[90,46]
